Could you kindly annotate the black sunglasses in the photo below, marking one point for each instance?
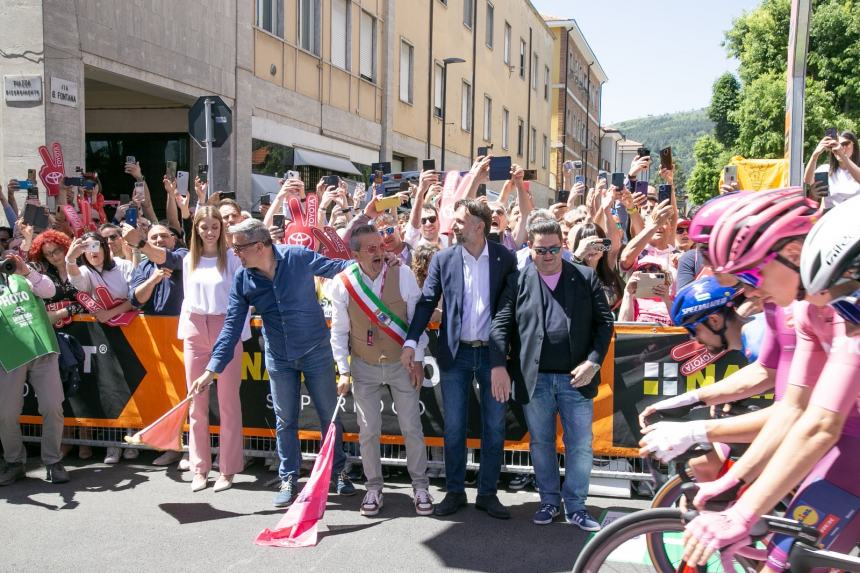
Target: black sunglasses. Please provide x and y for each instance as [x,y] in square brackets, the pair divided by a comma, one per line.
[430,219]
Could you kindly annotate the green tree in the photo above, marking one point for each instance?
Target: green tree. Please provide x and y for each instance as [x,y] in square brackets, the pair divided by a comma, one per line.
[704,181]
[725,101]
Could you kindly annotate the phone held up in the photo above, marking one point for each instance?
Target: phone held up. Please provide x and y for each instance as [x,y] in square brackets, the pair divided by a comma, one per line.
[666,158]
[831,133]
[131,216]
[664,192]
[823,184]
[730,175]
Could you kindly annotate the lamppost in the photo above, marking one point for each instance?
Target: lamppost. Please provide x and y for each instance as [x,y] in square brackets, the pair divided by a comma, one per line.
[445,63]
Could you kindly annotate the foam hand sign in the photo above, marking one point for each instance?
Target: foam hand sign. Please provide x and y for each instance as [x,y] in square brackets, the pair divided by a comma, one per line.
[332,245]
[53,171]
[74,220]
[300,230]
[104,301]
[59,306]
[696,356]
[86,215]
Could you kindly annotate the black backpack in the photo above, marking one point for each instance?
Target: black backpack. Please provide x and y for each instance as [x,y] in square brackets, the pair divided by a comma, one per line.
[71,363]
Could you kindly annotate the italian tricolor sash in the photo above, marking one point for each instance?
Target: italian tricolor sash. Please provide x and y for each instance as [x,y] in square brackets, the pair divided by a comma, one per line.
[372,306]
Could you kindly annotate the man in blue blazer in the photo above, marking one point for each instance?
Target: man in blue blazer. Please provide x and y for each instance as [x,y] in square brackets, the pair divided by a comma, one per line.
[470,278]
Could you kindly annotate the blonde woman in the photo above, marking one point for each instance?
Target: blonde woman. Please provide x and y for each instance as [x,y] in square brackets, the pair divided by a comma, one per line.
[207,276]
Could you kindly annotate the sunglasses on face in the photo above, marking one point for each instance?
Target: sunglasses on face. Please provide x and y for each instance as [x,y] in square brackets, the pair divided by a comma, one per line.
[541,251]
[239,248]
[431,219]
[386,231]
[845,143]
[682,230]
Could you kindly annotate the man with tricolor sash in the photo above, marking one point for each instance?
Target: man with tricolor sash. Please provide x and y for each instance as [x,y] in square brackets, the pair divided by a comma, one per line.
[372,305]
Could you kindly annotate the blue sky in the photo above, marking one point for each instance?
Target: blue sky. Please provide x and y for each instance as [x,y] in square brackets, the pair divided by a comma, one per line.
[660,56]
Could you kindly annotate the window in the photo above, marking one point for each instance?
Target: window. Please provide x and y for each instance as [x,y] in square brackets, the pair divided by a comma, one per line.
[533,145]
[270,16]
[505,117]
[521,134]
[490,27]
[437,89]
[522,59]
[534,71]
[507,50]
[466,109]
[488,118]
[406,52]
[340,12]
[546,83]
[545,151]
[309,25]
[468,12]
[367,47]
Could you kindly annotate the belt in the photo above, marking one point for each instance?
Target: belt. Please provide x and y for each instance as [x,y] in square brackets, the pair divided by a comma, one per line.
[474,343]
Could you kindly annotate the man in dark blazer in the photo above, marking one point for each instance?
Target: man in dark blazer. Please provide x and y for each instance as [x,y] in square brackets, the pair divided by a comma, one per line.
[554,323]
[470,278]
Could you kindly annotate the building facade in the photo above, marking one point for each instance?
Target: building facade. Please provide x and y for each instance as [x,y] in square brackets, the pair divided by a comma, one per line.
[577,94]
[317,85]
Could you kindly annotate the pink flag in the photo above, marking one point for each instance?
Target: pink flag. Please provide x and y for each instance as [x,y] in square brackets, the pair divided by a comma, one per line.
[298,527]
[166,432]
[451,193]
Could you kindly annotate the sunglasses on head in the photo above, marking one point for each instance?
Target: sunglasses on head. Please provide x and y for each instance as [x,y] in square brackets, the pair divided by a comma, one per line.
[386,231]
[430,219]
[541,251]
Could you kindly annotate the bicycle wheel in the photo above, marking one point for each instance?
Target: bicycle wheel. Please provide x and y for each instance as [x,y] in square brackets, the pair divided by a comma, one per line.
[669,494]
[623,546]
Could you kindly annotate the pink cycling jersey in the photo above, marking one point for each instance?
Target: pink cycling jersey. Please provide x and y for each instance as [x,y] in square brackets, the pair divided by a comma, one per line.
[828,360]
[777,347]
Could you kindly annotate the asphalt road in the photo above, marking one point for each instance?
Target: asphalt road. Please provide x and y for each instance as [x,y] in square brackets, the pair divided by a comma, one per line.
[136,517]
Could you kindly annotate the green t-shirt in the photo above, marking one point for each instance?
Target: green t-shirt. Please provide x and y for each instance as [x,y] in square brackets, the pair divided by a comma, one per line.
[25,331]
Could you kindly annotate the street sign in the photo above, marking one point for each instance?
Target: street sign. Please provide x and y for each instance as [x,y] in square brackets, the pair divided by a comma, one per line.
[222,121]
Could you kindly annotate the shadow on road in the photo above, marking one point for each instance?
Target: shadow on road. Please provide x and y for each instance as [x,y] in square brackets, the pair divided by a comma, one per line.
[186,513]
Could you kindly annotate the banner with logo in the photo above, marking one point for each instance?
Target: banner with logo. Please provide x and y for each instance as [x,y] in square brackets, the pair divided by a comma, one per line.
[134,373]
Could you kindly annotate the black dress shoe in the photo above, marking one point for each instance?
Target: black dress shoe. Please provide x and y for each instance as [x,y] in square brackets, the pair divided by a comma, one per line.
[451,504]
[56,473]
[493,507]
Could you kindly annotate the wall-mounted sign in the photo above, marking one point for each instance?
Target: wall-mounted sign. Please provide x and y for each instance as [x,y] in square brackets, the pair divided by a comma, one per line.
[23,88]
[64,92]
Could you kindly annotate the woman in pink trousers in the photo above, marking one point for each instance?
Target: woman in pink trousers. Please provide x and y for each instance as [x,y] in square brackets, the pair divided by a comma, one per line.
[207,276]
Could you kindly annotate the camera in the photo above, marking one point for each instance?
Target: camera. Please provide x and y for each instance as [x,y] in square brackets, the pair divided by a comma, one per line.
[8,266]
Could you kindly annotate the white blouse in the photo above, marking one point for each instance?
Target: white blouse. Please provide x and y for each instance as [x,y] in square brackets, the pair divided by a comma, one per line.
[115,280]
[206,290]
[842,185]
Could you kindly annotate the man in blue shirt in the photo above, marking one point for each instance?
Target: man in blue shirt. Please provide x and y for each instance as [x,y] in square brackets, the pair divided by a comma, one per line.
[156,284]
[278,280]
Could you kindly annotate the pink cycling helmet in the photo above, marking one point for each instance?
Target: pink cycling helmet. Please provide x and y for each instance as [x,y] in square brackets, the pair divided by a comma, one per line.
[708,214]
[756,225]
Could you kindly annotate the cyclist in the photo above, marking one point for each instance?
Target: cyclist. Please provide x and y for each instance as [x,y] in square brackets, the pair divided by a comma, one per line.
[759,240]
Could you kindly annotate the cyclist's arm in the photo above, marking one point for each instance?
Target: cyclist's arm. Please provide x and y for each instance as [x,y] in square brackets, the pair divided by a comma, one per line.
[741,429]
[750,380]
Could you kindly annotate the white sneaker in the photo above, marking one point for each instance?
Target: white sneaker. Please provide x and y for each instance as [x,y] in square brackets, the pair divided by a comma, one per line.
[130,454]
[112,455]
[372,503]
[184,463]
[423,502]
[167,458]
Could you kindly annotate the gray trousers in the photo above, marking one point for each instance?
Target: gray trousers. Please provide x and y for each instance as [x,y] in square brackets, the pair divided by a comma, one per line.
[367,383]
[45,381]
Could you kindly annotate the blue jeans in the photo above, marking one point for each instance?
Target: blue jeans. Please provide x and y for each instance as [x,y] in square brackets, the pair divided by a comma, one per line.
[469,364]
[554,395]
[317,366]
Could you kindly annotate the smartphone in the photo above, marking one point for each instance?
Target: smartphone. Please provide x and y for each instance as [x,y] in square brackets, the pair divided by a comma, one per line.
[171,170]
[73,181]
[89,184]
[483,151]
[278,220]
[730,174]
[618,180]
[603,175]
[568,165]
[647,282]
[92,246]
[384,166]
[131,216]
[428,165]
[577,164]
[292,175]
[203,172]
[392,202]
[664,192]
[481,191]
[666,158]
[831,133]
[529,174]
[331,180]
[130,159]
[579,179]
[139,195]
[641,187]
[227,195]
[124,199]
[182,178]
[377,177]
[31,175]
[643,152]
[500,168]
[604,245]
[265,199]
[823,179]
[563,196]
[33,195]
[35,216]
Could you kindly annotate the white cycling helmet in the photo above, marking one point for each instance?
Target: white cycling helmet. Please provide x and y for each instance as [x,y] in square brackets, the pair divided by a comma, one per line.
[832,248]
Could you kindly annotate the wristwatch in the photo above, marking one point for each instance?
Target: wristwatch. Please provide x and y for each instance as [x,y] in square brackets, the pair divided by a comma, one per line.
[596,368]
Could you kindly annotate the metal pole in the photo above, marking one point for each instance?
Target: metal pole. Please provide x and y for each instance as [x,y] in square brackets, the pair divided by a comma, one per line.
[798,47]
[444,110]
[210,170]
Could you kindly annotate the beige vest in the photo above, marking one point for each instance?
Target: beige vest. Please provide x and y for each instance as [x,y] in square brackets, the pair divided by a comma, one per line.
[384,349]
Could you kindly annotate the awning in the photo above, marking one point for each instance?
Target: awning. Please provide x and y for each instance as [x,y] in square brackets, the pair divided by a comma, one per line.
[324,161]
